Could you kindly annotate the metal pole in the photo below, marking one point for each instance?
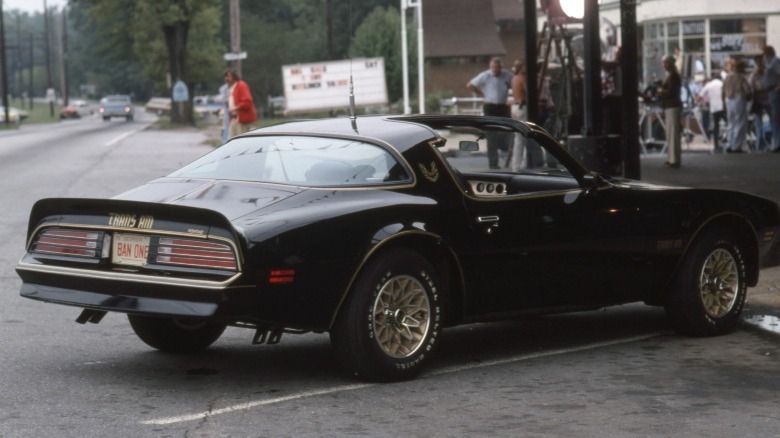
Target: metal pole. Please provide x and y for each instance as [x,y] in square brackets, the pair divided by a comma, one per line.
[592,91]
[405,58]
[531,69]
[420,57]
[629,67]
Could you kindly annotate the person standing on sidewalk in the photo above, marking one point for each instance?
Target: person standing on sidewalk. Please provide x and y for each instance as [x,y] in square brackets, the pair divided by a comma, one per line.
[760,103]
[240,106]
[493,85]
[772,87]
[737,91]
[712,94]
[672,105]
[519,112]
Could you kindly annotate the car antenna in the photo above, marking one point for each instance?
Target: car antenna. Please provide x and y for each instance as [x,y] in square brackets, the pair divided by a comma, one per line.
[352,115]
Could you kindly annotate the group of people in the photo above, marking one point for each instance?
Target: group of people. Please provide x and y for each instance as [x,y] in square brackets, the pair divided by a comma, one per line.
[731,95]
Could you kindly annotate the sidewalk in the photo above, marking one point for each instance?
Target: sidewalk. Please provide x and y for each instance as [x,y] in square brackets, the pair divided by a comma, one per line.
[756,173]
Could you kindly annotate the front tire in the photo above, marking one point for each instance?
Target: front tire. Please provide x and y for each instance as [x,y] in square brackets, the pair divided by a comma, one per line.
[391,321]
[710,289]
[176,335]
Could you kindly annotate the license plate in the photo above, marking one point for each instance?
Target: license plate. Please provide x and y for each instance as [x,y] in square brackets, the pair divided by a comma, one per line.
[129,249]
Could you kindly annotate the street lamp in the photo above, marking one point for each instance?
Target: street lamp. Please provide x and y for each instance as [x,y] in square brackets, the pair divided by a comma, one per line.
[573,8]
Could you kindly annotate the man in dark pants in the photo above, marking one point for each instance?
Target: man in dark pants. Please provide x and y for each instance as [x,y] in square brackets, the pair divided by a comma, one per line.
[494,85]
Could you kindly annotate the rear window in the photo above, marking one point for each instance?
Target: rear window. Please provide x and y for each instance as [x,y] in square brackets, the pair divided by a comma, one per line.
[299,160]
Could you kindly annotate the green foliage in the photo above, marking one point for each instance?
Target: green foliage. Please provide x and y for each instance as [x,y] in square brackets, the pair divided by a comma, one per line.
[203,62]
[126,46]
[379,35]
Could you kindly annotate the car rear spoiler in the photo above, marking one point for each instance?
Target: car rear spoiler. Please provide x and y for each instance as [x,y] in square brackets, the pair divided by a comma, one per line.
[124,214]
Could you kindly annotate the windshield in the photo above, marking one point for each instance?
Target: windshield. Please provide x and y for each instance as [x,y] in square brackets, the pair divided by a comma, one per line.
[115,99]
[299,160]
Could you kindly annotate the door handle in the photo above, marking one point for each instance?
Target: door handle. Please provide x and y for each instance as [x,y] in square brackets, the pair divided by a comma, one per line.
[490,221]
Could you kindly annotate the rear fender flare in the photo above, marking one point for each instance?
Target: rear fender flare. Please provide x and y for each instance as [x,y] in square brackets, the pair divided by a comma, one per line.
[429,245]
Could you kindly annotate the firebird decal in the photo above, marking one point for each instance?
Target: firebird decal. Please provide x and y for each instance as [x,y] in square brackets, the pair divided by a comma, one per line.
[431,174]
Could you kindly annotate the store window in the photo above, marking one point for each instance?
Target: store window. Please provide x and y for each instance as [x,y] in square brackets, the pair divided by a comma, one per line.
[738,38]
[693,49]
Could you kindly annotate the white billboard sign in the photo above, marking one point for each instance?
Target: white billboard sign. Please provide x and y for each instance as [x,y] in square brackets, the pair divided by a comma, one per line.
[325,85]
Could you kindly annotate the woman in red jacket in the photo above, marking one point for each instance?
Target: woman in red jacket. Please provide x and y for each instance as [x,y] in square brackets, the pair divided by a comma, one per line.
[240,105]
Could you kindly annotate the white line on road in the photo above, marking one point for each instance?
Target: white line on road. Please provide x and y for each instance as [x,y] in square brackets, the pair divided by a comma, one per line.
[343,388]
[121,137]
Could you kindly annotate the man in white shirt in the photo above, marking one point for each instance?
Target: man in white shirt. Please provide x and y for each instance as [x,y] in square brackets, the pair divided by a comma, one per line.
[712,93]
[494,85]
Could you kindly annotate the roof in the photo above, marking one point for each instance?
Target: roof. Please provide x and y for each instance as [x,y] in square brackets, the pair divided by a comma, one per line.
[455,28]
[508,10]
[398,133]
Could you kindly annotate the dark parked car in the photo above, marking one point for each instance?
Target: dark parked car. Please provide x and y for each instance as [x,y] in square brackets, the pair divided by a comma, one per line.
[380,233]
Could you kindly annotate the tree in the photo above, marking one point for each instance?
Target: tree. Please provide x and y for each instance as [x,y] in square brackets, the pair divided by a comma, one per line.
[379,35]
[101,52]
[159,33]
[176,18]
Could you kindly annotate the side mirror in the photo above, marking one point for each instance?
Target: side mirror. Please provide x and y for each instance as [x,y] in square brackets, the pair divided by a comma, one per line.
[468,146]
[593,181]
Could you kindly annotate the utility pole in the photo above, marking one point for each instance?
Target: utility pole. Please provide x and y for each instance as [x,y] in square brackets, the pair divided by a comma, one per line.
[63,56]
[329,24]
[19,57]
[235,33]
[32,64]
[4,72]
[49,85]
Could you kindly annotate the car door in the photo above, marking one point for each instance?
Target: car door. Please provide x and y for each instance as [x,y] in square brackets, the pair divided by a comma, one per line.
[553,249]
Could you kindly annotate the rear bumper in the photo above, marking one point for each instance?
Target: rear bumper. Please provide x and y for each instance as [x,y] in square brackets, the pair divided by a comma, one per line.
[124,292]
[119,303]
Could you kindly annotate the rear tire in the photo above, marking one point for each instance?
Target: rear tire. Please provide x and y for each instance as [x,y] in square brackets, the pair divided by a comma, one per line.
[710,289]
[389,326]
[176,335]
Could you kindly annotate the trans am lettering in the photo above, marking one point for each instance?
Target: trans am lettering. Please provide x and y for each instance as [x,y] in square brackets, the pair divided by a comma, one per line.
[125,220]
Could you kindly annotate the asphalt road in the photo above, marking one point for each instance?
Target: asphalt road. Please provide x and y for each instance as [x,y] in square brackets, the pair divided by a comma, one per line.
[618,371]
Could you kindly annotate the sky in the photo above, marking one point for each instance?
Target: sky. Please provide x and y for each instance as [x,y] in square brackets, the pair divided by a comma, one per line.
[31,6]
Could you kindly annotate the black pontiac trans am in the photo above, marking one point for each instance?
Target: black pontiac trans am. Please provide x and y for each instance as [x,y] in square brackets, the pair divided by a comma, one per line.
[383,231]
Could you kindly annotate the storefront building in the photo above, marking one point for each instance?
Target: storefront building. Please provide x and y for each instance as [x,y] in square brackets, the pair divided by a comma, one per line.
[701,33]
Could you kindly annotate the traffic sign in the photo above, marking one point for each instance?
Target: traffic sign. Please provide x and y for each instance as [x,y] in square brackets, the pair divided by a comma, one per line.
[235,56]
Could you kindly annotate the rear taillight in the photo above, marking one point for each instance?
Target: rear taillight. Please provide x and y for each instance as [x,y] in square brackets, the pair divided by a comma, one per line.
[69,243]
[195,253]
